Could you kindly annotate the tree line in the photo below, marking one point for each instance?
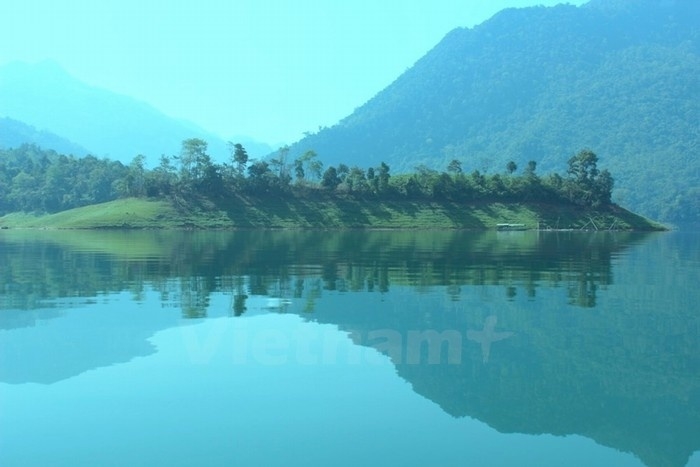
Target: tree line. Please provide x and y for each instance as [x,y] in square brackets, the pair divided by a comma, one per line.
[37,180]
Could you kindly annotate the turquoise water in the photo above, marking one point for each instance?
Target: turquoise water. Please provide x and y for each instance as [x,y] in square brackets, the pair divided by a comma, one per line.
[375,348]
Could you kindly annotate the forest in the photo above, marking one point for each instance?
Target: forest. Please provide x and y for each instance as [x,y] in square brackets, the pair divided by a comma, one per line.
[536,83]
[42,181]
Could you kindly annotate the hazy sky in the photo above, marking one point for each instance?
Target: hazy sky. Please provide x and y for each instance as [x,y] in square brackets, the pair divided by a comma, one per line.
[269,69]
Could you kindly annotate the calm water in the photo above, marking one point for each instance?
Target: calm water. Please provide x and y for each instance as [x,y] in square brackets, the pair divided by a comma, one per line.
[353,348]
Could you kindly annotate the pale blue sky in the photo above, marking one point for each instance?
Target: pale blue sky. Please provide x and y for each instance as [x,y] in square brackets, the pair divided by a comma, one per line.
[269,69]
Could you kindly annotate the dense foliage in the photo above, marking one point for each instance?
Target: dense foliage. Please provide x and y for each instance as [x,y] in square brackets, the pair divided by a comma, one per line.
[32,179]
[529,84]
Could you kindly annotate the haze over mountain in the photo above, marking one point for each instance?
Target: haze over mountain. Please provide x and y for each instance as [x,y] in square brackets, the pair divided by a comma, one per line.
[44,96]
[14,133]
[618,77]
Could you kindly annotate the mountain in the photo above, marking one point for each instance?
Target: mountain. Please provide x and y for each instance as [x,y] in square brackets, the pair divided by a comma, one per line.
[14,133]
[619,77]
[113,125]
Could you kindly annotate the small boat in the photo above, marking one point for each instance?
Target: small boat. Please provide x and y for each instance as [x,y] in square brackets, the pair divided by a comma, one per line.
[511,227]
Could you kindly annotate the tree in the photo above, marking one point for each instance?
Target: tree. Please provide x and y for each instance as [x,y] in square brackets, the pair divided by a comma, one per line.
[162,179]
[444,186]
[454,167]
[530,169]
[194,160]
[586,185]
[23,192]
[137,176]
[239,157]
[198,172]
[532,185]
[299,170]
[583,167]
[383,185]
[258,169]
[413,188]
[343,171]
[281,168]
[315,167]
[100,178]
[426,178]
[372,180]
[260,177]
[511,167]
[495,185]
[307,163]
[357,180]
[553,188]
[330,178]
[478,179]
[57,184]
[603,188]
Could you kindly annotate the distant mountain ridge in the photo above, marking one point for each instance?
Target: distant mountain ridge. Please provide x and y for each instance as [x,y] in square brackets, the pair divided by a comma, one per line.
[14,133]
[112,125]
[619,77]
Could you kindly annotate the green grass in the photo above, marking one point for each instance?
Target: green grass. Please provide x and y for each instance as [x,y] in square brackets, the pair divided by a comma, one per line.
[332,213]
[122,213]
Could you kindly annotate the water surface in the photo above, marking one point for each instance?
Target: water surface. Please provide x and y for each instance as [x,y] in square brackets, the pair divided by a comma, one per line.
[349,348]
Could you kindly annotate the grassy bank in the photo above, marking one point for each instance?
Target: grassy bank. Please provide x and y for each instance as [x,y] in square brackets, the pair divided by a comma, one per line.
[241,212]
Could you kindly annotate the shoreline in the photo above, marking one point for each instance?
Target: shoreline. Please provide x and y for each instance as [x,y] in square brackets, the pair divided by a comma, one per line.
[335,214]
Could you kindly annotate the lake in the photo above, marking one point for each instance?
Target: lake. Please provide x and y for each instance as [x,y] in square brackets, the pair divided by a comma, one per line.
[291,348]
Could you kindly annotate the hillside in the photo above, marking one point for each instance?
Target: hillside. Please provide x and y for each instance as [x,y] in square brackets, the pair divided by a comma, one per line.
[14,133]
[112,125]
[530,84]
[332,213]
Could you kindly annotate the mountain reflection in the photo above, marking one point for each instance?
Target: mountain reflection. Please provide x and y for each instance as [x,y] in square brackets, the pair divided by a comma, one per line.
[488,336]
[528,332]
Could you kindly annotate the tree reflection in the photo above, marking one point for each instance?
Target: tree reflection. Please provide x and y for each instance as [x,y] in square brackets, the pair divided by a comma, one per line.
[49,267]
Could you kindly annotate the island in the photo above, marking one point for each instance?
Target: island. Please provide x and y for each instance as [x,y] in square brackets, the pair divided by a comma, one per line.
[191,191]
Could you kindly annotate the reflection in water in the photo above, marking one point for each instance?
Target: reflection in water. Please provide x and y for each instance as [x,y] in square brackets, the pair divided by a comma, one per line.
[487,336]
[40,267]
[589,334]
